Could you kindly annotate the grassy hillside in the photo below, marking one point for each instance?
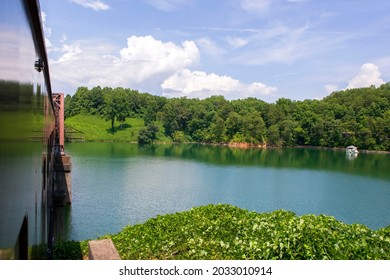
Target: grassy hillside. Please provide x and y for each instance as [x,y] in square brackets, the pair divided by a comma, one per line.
[226,232]
[94,128]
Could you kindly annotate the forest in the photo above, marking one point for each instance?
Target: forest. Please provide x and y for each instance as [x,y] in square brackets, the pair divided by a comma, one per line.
[359,117]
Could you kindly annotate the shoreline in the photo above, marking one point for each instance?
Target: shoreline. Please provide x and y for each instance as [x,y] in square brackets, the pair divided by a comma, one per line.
[239,145]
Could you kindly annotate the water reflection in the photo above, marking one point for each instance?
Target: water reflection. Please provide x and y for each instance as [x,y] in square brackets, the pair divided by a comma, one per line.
[351,156]
[117,184]
[373,165]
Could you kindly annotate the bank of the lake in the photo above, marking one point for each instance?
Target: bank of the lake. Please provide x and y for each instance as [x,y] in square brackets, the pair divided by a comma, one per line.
[92,128]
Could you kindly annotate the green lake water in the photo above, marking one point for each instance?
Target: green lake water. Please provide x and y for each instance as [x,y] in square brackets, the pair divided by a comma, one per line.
[119,184]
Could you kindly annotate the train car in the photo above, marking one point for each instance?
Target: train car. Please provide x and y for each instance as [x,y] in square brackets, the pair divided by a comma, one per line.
[27,134]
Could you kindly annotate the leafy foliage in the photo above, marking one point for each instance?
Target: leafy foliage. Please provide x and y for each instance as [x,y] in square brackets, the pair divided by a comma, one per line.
[228,232]
[148,135]
[116,107]
[70,250]
[359,117]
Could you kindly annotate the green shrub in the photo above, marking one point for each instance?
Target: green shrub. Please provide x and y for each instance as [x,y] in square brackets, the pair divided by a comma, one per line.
[228,232]
[223,232]
[70,250]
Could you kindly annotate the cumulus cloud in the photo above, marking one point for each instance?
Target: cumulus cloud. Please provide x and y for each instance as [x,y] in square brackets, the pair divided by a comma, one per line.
[144,62]
[150,56]
[95,5]
[368,75]
[198,84]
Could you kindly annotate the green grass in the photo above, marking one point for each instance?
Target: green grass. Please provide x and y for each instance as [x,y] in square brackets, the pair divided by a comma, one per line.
[95,128]
[222,232]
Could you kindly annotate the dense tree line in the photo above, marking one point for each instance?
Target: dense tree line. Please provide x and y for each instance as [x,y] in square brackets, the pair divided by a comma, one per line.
[358,117]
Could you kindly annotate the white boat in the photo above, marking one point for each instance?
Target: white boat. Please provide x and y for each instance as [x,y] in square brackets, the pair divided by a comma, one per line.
[351,150]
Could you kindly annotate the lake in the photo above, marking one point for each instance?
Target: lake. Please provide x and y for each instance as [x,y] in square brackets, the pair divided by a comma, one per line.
[120,184]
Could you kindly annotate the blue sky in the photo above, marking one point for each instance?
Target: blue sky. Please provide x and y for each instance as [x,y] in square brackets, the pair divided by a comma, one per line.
[298,49]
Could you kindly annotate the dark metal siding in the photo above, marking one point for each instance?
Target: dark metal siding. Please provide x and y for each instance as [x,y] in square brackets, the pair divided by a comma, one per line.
[26,133]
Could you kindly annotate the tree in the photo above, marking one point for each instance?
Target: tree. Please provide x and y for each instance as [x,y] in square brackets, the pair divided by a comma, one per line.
[175,115]
[116,106]
[178,136]
[233,124]
[273,135]
[67,102]
[254,128]
[75,106]
[95,101]
[148,135]
[218,130]
[287,132]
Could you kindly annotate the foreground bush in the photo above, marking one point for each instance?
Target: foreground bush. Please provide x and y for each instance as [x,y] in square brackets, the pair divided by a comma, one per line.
[226,232]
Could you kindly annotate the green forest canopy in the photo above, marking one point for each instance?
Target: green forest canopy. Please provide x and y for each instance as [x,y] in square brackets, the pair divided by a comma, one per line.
[359,117]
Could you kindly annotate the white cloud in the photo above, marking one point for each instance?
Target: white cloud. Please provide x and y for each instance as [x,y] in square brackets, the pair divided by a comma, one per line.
[143,64]
[368,75]
[148,65]
[70,52]
[168,5]
[285,44]
[46,29]
[384,64]
[209,47]
[256,6]
[331,88]
[149,57]
[95,5]
[198,84]
[13,49]
[63,38]
[46,32]
[282,45]
[236,42]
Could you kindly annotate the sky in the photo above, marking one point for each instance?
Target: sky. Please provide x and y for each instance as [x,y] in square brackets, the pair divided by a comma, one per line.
[267,49]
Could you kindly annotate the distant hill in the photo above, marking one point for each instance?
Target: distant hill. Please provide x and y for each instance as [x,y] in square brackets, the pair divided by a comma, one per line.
[359,117]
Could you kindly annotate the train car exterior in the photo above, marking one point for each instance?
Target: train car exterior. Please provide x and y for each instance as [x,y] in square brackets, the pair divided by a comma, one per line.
[27,134]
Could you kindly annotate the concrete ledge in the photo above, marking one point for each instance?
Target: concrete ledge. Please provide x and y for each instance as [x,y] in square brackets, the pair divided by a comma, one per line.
[102,250]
